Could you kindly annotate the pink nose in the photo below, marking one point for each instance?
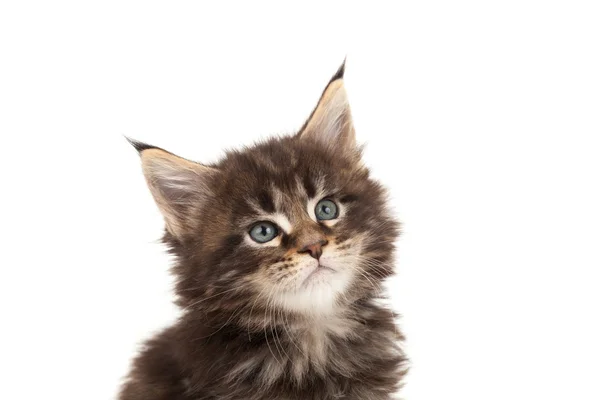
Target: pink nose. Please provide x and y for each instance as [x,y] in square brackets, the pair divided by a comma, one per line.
[315,249]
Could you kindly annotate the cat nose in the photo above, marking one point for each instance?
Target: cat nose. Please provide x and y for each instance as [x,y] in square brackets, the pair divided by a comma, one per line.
[314,249]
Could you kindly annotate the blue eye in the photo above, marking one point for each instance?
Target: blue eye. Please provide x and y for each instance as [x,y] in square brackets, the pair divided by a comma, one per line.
[325,210]
[263,232]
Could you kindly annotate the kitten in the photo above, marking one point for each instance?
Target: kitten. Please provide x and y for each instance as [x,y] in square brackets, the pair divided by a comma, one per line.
[281,250]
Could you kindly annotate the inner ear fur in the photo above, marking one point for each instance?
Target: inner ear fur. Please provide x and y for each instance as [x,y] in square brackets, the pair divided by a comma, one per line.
[331,121]
[179,187]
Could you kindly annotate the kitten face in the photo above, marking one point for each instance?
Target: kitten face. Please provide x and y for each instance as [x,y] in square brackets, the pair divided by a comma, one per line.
[293,224]
[285,195]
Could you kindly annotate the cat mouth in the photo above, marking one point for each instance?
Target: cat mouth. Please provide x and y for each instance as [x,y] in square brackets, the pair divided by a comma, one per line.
[319,271]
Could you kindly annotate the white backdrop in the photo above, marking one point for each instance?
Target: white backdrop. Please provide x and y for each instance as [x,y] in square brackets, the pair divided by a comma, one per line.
[483,118]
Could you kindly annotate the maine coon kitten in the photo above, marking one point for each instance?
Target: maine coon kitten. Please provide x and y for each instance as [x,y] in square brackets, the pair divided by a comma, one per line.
[281,250]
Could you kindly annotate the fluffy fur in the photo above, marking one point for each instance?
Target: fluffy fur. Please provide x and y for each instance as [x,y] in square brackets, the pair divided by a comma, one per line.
[270,321]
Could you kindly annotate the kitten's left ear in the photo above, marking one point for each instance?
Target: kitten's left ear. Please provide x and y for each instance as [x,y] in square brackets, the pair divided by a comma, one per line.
[331,121]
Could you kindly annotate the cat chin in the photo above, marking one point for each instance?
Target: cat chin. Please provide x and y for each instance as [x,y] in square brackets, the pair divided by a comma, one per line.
[318,293]
[318,275]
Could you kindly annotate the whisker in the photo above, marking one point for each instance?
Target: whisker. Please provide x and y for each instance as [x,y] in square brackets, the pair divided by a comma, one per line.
[277,338]
[265,329]
[252,309]
[208,298]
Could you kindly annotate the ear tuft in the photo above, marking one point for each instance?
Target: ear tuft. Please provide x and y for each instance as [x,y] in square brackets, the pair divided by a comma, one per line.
[140,146]
[340,72]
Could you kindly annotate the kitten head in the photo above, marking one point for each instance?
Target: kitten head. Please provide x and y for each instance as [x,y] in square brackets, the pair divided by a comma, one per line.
[293,223]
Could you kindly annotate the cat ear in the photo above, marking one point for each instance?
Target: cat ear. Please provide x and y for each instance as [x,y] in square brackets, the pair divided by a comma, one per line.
[331,121]
[178,186]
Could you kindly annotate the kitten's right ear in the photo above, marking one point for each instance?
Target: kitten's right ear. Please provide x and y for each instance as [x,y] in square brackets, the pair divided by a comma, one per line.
[179,186]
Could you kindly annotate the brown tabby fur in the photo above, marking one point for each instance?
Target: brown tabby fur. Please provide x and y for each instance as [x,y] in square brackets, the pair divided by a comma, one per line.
[234,341]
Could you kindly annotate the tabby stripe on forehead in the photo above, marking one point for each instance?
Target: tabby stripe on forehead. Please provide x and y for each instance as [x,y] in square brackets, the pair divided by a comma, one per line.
[309,186]
[266,202]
